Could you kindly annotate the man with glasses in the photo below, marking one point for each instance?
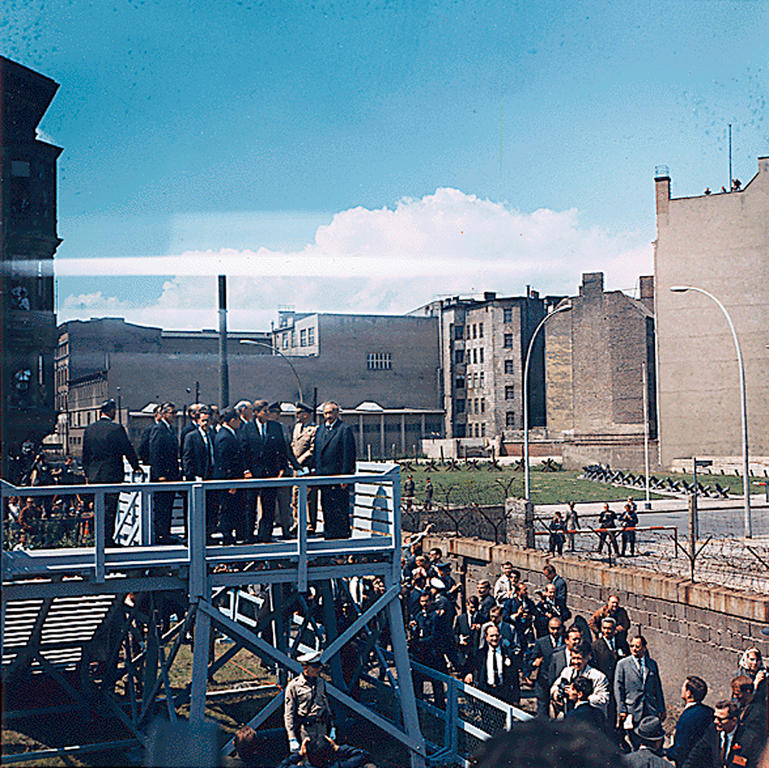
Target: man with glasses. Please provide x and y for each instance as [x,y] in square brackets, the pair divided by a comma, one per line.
[721,745]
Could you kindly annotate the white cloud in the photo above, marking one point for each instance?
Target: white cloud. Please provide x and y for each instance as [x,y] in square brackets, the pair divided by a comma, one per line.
[381,260]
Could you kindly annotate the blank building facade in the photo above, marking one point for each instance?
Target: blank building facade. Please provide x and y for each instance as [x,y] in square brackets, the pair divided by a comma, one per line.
[719,243]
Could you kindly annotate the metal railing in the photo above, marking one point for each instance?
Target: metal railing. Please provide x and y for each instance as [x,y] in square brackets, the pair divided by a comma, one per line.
[374,517]
[468,716]
[614,533]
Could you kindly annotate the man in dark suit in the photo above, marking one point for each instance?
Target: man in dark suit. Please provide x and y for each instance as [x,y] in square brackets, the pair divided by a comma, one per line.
[561,657]
[752,722]
[104,446]
[229,465]
[198,456]
[193,411]
[693,721]
[266,454]
[495,668]
[578,692]
[335,455]
[198,448]
[607,650]
[542,655]
[721,745]
[144,442]
[164,467]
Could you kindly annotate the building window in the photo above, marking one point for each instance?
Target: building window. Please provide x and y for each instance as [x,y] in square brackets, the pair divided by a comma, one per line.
[508,366]
[285,341]
[310,336]
[483,380]
[379,361]
[460,406]
[475,355]
[459,332]
[303,337]
[480,355]
[507,314]
[475,331]
[510,418]
[508,341]
[483,405]
[509,392]
[483,429]
[480,330]
[460,382]
[459,355]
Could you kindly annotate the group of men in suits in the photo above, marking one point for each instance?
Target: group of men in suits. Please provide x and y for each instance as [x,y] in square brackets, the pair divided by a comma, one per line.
[243,442]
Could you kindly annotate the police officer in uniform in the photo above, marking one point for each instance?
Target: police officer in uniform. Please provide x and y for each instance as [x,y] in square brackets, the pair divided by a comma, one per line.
[306,713]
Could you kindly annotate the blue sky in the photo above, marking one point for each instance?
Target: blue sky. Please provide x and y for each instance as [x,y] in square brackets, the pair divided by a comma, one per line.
[397,149]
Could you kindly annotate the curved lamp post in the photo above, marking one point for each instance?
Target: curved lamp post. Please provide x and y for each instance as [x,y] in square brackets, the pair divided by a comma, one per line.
[255,343]
[564,306]
[745,466]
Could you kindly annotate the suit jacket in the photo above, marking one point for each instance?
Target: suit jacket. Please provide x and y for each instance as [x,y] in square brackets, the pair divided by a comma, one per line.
[144,444]
[588,713]
[197,461]
[557,664]
[706,753]
[228,455]
[634,695]
[690,727]
[104,445]
[265,456]
[543,648]
[606,660]
[334,450]
[164,453]
[510,667]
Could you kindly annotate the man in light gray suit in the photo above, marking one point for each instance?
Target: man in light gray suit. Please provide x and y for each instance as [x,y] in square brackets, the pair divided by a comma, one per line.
[638,688]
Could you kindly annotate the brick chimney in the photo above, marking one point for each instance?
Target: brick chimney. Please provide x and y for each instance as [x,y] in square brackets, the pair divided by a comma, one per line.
[592,285]
[662,189]
[647,291]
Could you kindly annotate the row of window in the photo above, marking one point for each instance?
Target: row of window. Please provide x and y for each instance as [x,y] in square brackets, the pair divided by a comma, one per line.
[379,361]
[478,429]
[306,338]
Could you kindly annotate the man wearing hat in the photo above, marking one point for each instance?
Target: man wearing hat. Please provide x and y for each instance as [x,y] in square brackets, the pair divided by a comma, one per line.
[303,448]
[650,735]
[104,446]
[306,713]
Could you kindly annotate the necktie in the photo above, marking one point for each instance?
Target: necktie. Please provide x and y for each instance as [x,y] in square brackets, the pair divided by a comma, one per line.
[497,669]
[723,748]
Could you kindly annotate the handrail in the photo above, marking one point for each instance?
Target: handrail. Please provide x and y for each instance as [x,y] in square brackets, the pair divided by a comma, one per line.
[195,552]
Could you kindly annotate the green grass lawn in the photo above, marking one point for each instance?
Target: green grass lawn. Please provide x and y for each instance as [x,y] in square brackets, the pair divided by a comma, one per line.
[466,486]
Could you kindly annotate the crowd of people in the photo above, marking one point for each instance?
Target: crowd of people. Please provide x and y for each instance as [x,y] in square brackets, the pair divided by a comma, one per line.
[594,670]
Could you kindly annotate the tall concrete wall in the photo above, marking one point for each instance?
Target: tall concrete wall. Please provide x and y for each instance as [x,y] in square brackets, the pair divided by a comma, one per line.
[691,628]
[719,243]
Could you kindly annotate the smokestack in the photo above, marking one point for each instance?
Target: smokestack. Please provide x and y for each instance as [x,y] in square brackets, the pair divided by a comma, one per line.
[224,372]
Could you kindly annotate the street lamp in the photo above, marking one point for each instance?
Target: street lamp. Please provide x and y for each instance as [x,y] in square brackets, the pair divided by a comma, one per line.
[745,466]
[255,343]
[564,306]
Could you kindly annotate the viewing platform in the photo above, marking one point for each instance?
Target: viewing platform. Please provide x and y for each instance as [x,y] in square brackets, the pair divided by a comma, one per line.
[63,606]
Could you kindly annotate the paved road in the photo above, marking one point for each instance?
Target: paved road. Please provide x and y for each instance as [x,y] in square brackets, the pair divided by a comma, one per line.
[718,517]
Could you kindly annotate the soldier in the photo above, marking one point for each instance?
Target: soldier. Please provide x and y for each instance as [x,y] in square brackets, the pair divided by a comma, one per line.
[607,520]
[306,712]
[303,447]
